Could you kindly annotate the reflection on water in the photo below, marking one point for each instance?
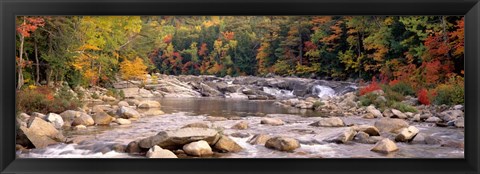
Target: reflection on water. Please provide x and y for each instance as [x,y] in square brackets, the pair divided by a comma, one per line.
[228,107]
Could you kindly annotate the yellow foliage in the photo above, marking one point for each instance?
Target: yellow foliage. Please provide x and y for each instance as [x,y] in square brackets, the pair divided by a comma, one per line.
[135,69]
[32,87]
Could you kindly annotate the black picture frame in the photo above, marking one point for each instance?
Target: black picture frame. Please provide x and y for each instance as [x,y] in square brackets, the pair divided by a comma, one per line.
[11,8]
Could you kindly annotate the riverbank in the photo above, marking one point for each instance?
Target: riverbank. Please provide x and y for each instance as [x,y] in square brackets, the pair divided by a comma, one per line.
[314,118]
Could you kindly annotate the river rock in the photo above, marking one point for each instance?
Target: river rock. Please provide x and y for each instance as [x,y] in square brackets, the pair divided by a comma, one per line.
[370,130]
[158,152]
[122,121]
[390,125]
[133,102]
[374,111]
[55,119]
[260,139]
[361,137]
[126,112]
[329,122]
[148,104]
[240,134]
[241,125]
[40,133]
[398,114]
[79,127]
[69,115]
[177,138]
[123,103]
[133,148]
[107,98]
[197,125]
[388,113]
[459,122]
[225,144]
[416,118]
[198,148]
[407,134]
[343,136]
[272,121]
[83,119]
[433,120]
[39,115]
[368,116]
[385,146]
[102,118]
[458,107]
[211,118]
[152,112]
[450,115]
[282,143]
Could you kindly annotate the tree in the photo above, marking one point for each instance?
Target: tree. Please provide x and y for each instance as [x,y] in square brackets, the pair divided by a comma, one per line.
[27,26]
[135,69]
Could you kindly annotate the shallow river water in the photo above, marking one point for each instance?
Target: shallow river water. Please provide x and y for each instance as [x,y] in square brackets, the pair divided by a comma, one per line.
[180,112]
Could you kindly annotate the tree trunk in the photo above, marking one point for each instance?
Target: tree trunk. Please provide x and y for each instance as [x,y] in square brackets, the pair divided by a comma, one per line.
[37,80]
[20,63]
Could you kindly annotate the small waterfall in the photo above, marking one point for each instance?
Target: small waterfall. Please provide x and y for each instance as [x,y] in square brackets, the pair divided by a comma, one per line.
[323,91]
[279,93]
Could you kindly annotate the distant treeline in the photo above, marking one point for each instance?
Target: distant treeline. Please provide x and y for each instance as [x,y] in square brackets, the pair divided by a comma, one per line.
[422,50]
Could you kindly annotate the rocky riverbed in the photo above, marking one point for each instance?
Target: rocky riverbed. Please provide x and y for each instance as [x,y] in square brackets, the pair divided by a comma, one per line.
[239,117]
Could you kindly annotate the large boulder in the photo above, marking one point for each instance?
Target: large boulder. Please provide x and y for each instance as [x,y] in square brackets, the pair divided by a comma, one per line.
[272,121]
[282,143]
[371,109]
[126,112]
[385,146]
[123,103]
[197,125]
[177,138]
[343,136]
[450,115]
[433,120]
[399,114]
[241,125]
[370,130]
[149,104]
[407,134]
[225,144]
[40,133]
[69,115]
[55,119]
[83,119]
[329,122]
[260,139]
[390,125]
[102,118]
[133,148]
[158,152]
[459,122]
[198,148]
[123,121]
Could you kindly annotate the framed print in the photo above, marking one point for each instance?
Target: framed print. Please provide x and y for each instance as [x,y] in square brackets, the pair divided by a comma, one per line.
[239,87]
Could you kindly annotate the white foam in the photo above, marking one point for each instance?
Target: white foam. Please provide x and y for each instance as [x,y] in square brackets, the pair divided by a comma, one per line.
[323,91]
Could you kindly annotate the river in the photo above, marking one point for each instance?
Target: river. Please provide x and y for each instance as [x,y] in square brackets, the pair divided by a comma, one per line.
[182,111]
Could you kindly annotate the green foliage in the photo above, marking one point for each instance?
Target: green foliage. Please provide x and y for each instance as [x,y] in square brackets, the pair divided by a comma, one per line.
[368,99]
[404,107]
[403,88]
[451,93]
[95,96]
[119,94]
[44,100]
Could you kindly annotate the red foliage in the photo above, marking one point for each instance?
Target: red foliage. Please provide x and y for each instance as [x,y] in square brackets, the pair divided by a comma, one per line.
[423,97]
[393,82]
[371,87]
[29,25]
[309,45]
[432,70]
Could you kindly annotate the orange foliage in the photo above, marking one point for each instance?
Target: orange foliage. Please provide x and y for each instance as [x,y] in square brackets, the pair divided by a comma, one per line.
[29,25]
[458,38]
[167,38]
[228,35]
[203,50]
